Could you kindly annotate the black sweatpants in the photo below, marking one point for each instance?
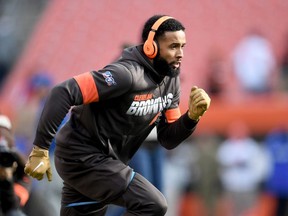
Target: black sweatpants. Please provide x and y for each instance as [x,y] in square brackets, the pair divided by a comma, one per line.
[93,182]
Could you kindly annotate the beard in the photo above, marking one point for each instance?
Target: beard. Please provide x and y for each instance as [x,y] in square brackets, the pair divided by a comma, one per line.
[164,68]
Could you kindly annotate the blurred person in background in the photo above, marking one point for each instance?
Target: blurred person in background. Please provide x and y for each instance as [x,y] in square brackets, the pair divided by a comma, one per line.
[217,73]
[182,174]
[28,109]
[109,122]
[14,183]
[208,185]
[254,64]
[45,197]
[243,166]
[276,184]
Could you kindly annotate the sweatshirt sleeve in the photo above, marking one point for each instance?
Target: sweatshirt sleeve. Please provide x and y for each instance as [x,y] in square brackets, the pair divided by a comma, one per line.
[58,103]
[170,135]
[84,88]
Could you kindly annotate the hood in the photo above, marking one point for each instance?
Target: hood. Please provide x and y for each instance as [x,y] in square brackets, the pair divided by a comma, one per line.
[136,54]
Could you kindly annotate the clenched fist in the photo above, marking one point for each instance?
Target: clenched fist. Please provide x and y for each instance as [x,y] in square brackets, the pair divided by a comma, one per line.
[38,164]
[199,102]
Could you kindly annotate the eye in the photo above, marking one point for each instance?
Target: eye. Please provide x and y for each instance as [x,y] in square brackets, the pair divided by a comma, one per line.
[174,46]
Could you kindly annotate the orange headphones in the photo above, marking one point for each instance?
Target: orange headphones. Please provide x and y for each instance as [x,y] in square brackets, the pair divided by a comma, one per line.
[150,47]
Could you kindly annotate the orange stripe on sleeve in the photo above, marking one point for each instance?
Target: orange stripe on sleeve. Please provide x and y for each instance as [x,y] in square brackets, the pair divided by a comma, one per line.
[173,114]
[22,193]
[87,87]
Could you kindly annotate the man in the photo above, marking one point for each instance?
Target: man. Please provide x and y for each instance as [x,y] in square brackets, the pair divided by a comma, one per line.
[14,183]
[254,63]
[114,110]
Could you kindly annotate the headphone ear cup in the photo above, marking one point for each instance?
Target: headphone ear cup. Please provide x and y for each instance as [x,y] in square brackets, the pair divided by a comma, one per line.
[150,49]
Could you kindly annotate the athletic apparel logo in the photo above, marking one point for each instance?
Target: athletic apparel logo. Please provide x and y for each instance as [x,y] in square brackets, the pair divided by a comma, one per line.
[145,104]
[109,78]
[39,165]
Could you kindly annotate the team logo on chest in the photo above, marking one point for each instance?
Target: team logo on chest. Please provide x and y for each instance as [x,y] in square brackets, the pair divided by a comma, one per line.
[145,104]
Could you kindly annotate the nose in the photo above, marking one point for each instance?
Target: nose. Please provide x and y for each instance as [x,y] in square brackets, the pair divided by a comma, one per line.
[180,53]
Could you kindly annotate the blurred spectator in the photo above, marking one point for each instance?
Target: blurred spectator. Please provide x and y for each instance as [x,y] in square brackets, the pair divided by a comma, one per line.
[181,173]
[254,63]
[277,182]
[14,183]
[243,167]
[27,113]
[45,197]
[208,185]
[217,73]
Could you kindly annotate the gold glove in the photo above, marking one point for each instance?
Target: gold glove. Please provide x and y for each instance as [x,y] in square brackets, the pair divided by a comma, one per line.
[199,102]
[38,164]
